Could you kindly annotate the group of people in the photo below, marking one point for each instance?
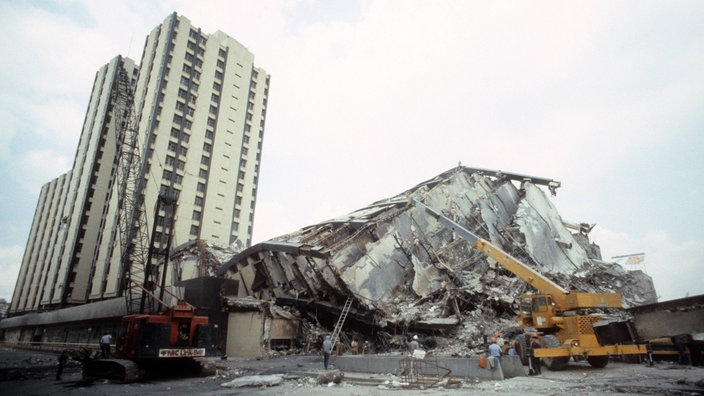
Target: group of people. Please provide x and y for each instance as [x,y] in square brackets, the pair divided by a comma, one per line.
[498,347]
[413,346]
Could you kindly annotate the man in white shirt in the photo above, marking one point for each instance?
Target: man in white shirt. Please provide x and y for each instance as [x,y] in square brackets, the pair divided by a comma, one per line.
[105,342]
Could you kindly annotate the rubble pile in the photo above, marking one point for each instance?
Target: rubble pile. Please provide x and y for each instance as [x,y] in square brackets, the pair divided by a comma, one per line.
[406,272]
[200,259]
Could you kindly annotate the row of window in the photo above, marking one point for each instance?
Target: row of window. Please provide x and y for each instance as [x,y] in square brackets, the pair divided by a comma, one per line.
[194,74]
[179,120]
[196,62]
[175,177]
[187,82]
[190,71]
[198,50]
[197,36]
[174,163]
[176,148]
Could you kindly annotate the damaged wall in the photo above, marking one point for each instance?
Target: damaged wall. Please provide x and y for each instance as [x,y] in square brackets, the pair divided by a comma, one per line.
[404,269]
[197,259]
[256,326]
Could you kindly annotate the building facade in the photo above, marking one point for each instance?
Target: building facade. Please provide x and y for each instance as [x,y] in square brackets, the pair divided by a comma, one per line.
[38,265]
[202,105]
[199,107]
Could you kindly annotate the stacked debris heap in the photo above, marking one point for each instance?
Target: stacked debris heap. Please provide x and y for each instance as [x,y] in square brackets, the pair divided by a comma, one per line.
[406,271]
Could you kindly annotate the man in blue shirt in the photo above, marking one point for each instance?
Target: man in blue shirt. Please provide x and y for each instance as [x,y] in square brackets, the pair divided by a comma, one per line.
[327,350]
[105,342]
[494,355]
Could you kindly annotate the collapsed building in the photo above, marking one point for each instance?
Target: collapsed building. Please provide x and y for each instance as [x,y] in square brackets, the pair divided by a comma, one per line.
[388,269]
[393,269]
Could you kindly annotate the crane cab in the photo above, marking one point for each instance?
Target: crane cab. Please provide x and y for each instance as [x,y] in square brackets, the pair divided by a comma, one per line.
[177,332]
[537,311]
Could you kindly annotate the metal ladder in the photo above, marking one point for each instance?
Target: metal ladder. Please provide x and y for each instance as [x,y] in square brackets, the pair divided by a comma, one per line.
[341,321]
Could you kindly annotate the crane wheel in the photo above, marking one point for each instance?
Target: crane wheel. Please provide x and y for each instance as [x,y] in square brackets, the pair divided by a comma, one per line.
[598,361]
[522,349]
[555,363]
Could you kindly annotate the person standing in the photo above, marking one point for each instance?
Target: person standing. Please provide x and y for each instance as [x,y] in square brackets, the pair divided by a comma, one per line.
[354,347]
[327,351]
[534,361]
[105,342]
[63,358]
[512,349]
[499,340]
[366,348]
[681,342]
[413,345]
[494,355]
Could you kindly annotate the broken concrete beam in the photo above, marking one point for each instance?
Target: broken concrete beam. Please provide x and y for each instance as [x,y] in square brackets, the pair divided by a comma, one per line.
[255,380]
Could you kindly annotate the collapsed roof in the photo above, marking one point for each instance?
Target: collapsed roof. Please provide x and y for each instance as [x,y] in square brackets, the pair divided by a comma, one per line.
[400,267]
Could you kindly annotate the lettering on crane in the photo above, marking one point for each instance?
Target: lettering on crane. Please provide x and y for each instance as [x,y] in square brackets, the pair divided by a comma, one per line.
[185,352]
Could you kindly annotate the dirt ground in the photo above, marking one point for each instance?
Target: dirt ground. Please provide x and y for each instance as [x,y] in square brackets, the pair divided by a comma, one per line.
[33,373]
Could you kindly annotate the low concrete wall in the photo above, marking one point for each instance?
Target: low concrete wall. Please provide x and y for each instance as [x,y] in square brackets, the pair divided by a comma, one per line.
[669,323]
[511,366]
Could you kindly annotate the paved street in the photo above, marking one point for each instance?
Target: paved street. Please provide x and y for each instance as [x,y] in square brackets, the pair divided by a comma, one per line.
[34,375]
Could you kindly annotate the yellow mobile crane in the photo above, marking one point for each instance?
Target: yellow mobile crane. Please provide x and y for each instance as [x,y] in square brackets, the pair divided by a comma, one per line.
[560,315]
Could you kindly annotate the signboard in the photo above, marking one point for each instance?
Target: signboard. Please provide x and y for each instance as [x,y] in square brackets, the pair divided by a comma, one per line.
[181,352]
[631,260]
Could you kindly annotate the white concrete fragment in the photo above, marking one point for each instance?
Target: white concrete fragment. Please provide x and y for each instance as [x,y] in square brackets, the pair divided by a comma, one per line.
[255,380]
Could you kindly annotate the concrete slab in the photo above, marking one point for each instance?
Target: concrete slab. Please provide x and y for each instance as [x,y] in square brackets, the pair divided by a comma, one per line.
[511,366]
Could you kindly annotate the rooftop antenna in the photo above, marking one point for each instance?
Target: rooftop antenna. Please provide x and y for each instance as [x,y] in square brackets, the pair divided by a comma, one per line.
[129,46]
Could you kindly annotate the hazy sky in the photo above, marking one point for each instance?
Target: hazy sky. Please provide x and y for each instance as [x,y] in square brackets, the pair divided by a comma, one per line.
[369,98]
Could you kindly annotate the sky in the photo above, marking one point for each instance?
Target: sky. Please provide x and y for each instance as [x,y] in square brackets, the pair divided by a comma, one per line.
[369,98]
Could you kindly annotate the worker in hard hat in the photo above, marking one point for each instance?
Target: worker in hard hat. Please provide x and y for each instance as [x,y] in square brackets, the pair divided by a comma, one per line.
[413,345]
[499,341]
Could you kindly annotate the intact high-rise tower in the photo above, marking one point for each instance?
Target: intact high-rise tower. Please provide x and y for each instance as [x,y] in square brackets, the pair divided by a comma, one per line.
[202,105]
[199,106]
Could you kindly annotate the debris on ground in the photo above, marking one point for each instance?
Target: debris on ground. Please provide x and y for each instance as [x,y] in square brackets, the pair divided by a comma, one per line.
[24,365]
[299,374]
[334,376]
[255,380]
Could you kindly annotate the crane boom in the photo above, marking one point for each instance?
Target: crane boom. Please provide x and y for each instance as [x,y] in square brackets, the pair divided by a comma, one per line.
[564,334]
[140,251]
[564,298]
[134,233]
